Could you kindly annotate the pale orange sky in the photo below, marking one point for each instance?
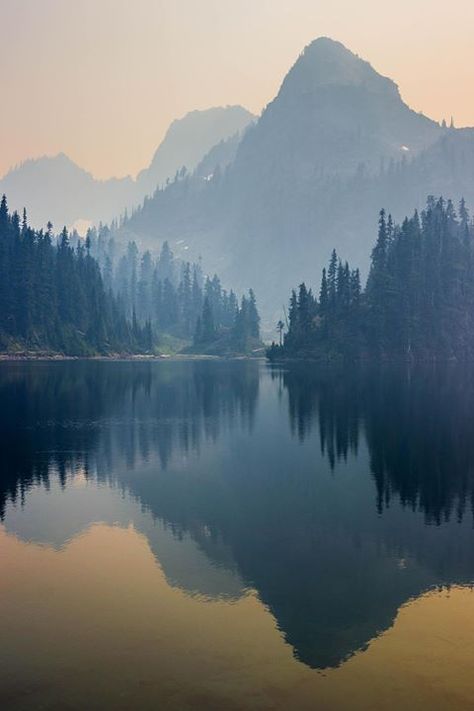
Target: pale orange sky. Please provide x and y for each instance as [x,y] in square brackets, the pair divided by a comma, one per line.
[102,79]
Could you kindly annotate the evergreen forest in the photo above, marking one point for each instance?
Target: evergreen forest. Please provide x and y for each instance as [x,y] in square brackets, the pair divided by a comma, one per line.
[418,301]
[60,294]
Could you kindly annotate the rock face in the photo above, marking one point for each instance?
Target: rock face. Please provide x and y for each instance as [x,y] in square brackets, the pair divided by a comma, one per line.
[335,145]
[55,188]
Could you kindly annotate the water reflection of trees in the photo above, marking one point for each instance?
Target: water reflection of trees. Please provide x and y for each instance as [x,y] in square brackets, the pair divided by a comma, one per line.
[60,417]
[417,424]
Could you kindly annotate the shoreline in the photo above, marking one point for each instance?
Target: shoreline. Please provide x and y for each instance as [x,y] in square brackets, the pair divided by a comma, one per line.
[28,357]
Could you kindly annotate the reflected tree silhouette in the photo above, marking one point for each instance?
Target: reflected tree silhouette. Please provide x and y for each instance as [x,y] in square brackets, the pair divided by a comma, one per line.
[59,417]
[416,422]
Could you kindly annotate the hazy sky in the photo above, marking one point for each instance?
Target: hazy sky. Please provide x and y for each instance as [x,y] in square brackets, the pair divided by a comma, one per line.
[102,79]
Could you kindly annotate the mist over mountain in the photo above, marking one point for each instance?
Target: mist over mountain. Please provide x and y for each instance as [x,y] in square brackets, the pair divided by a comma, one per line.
[335,145]
[188,140]
[264,202]
[332,114]
[57,189]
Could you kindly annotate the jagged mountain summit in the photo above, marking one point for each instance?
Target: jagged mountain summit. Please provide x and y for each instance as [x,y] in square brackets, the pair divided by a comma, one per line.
[55,188]
[335,145]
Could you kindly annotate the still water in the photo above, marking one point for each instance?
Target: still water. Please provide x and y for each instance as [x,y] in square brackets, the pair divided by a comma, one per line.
[230,535]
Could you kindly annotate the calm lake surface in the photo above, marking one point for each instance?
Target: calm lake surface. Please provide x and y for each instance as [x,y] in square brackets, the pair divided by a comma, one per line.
[231,535]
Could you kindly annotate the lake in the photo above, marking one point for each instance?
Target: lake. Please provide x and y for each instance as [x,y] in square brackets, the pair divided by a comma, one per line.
[233,535]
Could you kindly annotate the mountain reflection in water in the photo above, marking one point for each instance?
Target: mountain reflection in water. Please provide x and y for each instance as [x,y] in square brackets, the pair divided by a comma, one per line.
[336,496]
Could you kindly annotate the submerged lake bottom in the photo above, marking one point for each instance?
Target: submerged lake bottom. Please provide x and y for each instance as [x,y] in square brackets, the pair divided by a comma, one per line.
[235,535]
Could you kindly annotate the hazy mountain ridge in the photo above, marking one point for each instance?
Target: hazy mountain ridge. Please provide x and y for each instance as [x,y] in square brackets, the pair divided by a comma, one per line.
[335,145]
[188,140]
[57,189]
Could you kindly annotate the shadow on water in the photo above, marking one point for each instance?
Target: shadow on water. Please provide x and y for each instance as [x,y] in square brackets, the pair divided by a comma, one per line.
[338,496]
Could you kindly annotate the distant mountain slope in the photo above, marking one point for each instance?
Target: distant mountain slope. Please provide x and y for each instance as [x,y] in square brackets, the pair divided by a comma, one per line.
[55,188]
[334,146]
[189,139]
[221,155]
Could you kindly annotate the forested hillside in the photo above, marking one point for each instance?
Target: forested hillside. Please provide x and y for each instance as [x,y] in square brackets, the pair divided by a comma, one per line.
[52,296]
[175,297]
[62,294]
[418,302]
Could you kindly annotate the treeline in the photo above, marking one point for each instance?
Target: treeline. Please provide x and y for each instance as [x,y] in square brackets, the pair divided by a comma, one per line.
[418,302]
[84,297]
[52,296]
[163,290]
[174,297]
[238,332]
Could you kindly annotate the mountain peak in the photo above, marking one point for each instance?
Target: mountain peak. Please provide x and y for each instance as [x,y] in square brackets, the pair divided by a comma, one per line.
[327,45]
[325,62]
